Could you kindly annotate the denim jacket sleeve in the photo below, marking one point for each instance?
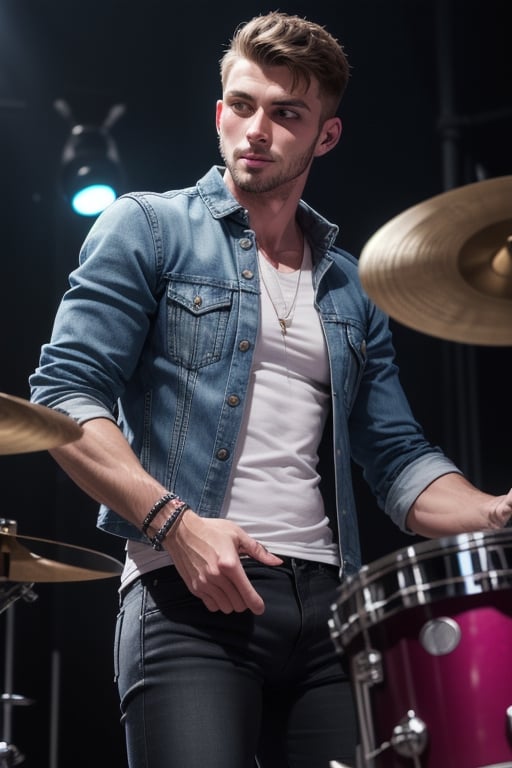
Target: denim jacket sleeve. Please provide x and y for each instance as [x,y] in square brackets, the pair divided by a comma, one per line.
[92,353]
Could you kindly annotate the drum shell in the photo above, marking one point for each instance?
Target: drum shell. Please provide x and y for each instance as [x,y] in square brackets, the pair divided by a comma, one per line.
[461,696]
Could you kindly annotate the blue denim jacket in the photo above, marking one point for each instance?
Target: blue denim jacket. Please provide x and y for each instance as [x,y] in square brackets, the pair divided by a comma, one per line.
[157,332]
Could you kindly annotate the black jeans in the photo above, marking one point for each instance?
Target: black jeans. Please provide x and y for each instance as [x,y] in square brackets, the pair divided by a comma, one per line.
[201,689]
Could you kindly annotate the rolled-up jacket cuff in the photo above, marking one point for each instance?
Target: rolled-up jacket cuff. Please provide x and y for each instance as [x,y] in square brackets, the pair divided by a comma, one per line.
[412,481]
[84,408]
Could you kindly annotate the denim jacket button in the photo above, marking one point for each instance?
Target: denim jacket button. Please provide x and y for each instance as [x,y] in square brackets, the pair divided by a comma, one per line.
[222,454]
[248,274]
[244,345]
[245,243]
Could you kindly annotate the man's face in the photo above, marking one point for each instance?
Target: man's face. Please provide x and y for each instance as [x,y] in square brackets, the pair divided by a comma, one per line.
[268,133]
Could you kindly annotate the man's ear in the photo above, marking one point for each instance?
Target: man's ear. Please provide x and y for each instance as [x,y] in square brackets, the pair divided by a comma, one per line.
[329,136]
[218,111]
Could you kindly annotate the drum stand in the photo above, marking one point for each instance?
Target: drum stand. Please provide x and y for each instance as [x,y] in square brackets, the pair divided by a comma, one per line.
[9,753]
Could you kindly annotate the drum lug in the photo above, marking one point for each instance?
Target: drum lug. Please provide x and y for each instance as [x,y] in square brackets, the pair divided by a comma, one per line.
[410,736]
[367,667]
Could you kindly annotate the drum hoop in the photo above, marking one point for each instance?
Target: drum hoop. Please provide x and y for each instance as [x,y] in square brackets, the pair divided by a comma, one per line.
[369,609]
[424,549]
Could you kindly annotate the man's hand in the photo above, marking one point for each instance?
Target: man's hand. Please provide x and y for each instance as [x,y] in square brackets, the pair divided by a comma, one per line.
[206,552]
[501,511]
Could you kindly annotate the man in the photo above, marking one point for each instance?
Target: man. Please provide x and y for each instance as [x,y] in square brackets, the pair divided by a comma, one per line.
[225,365]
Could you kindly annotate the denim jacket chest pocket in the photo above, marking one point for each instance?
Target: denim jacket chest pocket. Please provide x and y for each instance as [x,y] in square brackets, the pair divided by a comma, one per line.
[346,342]
[198,317]
[356,361]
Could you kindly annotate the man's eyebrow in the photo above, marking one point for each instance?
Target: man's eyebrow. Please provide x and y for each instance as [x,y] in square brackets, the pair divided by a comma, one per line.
[298,103]
[239,95]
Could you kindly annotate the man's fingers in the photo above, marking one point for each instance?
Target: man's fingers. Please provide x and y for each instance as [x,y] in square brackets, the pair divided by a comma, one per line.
[251,598]
[228,593]
[253,548]
[208,558]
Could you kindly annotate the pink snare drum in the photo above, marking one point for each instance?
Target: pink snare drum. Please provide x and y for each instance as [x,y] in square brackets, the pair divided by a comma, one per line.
[428,634]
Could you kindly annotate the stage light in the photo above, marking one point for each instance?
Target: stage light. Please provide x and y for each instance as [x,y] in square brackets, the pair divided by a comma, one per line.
[91,173]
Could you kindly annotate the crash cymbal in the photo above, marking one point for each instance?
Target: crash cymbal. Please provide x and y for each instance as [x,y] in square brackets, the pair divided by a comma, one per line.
[444,267]
[25,559]
[26,427]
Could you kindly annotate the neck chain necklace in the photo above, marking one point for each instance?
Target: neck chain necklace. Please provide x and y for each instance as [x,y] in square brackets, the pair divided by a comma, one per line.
[270,278]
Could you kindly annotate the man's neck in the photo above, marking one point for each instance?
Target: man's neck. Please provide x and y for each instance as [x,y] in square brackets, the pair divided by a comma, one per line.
[283,248]
[272,217]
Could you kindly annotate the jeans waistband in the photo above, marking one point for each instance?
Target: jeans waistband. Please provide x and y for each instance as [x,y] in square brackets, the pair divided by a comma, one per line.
[299,562]
[169,571]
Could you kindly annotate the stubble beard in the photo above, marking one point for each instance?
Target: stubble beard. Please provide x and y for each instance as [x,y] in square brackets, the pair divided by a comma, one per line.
[255,184]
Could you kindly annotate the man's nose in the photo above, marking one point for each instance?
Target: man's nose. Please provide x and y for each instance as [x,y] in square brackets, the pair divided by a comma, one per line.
[258,129]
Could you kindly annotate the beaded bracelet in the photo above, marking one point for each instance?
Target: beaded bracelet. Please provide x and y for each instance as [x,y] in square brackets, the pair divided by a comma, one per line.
[156,509]
[156,541]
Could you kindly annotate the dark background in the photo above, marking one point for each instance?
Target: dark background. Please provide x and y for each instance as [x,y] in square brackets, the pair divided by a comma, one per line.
[429,107]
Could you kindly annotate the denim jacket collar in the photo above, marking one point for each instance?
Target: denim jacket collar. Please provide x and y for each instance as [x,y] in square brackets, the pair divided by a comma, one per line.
[220,202]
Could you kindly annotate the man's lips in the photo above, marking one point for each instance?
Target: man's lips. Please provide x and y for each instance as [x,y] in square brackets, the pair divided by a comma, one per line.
[253,160]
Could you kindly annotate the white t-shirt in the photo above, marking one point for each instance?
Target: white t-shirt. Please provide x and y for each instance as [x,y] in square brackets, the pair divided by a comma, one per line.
[274,487]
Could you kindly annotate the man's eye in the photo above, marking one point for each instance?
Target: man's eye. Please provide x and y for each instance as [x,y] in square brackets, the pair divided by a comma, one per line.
[240,106]
[288,114]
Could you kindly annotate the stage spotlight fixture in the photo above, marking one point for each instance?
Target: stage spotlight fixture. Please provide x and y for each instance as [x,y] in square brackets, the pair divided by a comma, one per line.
[91,171]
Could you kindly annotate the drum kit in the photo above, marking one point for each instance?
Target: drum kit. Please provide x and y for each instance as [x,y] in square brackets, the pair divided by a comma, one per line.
[427,630]
[24,561]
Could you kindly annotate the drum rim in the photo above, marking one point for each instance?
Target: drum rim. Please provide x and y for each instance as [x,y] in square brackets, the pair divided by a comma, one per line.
[410,553]
[367,614]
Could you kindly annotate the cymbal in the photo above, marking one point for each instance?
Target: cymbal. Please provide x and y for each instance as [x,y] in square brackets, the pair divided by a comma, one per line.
[51,561]
[444,267]
[25,426]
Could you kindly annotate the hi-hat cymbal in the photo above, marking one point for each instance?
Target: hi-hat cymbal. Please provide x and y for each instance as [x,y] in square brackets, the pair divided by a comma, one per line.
[444,267]
[42,560]
[26,427]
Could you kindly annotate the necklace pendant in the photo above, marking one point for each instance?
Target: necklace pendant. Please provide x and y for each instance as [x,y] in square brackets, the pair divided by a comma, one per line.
[282,323]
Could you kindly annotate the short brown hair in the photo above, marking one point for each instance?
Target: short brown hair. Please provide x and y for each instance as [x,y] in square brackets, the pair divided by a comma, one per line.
[306,48]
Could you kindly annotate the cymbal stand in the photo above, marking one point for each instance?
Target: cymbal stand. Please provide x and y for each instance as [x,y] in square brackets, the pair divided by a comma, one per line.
[10,592]
[9,753]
